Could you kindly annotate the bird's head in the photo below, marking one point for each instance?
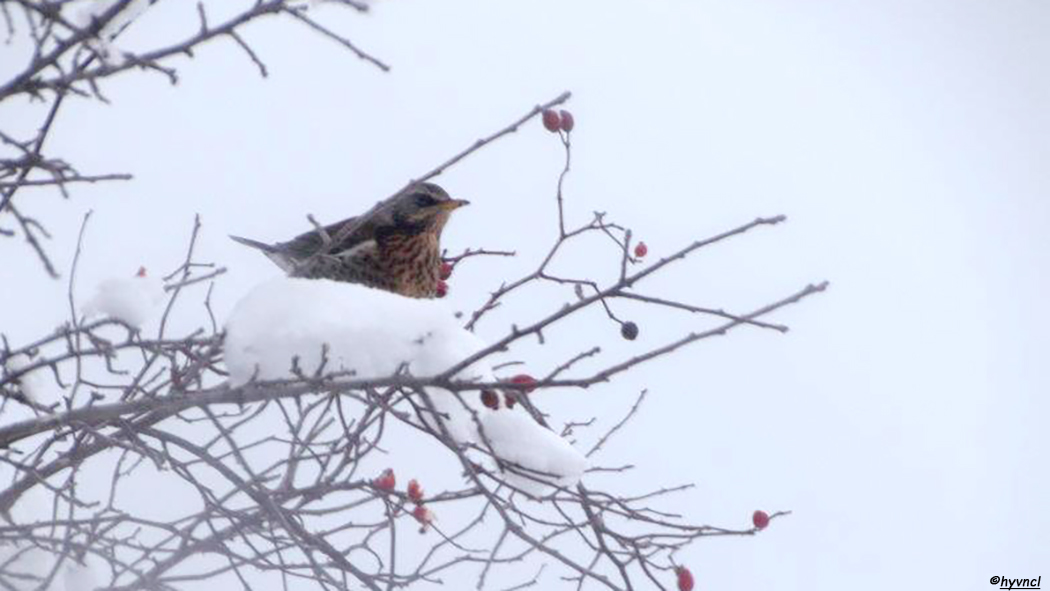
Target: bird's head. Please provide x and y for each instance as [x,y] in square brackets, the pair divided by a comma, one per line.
[423,207]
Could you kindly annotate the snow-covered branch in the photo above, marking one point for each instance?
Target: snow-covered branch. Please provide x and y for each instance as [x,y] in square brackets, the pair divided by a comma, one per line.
[284,421]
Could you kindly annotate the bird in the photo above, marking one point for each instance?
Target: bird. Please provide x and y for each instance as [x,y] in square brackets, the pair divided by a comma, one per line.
[395,246]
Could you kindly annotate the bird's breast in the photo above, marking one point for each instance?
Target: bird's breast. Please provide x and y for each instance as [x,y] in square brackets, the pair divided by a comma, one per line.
[413,263]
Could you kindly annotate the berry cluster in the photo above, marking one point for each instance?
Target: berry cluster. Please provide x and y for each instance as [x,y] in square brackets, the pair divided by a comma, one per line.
[556,121]
[525,383]
[386,482]
[445,273]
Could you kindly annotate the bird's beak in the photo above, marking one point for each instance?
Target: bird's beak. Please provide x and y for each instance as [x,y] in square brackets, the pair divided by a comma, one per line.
[453,204]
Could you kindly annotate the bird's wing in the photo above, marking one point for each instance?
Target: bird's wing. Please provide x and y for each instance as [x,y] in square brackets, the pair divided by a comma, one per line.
[308,243]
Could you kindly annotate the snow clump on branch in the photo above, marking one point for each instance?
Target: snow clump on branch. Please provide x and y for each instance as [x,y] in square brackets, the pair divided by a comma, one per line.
[369,333]
[132,300]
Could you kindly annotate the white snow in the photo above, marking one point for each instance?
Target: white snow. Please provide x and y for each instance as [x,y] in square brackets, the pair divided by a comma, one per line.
[368,331]
[79,577]
[129,299]
[102,44]
[36,563]
[110,54]
[545,457]
[375,333]
[91,9]
[32,384]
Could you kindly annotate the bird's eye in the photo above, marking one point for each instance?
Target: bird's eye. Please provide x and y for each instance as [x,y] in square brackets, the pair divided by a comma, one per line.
[424,200]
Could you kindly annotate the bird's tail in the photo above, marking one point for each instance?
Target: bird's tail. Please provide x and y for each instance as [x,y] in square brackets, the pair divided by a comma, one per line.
[273,253]
[253,243]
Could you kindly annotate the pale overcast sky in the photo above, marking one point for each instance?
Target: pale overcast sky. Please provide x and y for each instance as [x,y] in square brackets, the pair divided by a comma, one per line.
[904,417]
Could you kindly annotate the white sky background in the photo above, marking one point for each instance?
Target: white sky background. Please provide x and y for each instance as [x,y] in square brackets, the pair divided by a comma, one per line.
[903,419]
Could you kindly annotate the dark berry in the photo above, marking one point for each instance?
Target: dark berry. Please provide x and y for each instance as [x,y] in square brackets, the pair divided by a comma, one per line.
[629,330]
[490,399]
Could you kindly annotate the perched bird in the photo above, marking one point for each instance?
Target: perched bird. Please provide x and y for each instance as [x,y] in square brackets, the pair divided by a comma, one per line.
[394,246]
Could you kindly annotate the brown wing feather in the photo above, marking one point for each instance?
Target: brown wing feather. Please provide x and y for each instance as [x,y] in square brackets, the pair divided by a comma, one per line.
[306,244]
[381,217]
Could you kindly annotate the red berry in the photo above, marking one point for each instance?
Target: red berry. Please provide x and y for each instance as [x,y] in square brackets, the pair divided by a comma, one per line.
[141,272]
[510,400]
[386,480]
[446,270]
[551,120]
[489,399]
[442,289]
[524,379]
[421,513]
[640,250]
[567,122]
[760,519]
[685,578]
[415,492]
[424,516]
